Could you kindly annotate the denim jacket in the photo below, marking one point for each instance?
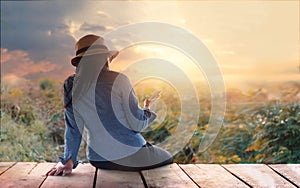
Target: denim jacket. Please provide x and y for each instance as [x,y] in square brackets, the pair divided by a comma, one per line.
[113,131]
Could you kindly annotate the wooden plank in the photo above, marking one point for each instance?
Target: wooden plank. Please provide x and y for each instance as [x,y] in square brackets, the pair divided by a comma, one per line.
[257,175]
[167,176]
[18,176]
[290,171]
[118,179]
[40,170]
[5,165]
[211,175]
[82,176]
[25,175]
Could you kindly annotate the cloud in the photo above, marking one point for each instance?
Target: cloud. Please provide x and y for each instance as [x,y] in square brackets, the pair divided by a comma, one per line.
[43,33]
[92,27]
[17,65]
[38,28]
[38,37]
[102,14]
[27,23]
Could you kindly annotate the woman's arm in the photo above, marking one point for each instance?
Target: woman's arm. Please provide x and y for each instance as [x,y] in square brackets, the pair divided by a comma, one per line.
[73,139]
[137,118]
[73,135]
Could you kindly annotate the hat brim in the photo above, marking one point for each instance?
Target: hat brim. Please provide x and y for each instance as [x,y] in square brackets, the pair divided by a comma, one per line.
[111,55]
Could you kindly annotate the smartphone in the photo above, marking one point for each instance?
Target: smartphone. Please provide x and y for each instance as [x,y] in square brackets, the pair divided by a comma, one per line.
[155,95]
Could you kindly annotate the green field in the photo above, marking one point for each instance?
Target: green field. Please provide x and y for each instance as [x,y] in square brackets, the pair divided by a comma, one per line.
[258,127]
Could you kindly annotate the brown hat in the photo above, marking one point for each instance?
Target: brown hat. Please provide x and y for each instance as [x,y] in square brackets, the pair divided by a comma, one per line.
[92,45]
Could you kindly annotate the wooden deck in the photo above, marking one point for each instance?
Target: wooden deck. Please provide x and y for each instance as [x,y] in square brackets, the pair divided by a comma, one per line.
[30,174]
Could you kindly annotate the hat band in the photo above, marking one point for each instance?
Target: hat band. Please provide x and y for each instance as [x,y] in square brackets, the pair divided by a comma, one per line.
[91,47]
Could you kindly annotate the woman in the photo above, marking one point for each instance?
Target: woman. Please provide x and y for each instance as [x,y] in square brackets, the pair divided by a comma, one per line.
[105,104]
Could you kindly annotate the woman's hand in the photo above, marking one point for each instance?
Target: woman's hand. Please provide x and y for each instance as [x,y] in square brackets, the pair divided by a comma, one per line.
[148,102]
[61,170]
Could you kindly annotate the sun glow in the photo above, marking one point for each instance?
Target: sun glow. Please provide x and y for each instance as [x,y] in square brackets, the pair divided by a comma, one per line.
[73,28]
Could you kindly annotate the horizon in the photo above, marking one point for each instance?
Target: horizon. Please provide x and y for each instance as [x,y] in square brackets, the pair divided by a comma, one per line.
[254,43]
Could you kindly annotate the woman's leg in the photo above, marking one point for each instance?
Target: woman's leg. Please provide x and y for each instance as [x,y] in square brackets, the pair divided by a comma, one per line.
[148,157]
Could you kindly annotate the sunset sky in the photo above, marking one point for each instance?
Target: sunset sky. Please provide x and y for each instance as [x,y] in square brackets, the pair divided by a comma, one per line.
[252,41]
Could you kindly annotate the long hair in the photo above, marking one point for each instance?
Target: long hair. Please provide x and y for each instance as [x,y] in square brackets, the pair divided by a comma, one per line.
[86,74]
[67,90]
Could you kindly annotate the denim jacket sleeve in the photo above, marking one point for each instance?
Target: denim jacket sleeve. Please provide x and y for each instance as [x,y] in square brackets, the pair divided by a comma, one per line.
[73,139]
[138,119]
[73,129]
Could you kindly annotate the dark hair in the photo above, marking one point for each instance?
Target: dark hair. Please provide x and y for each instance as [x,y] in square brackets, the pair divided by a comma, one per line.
[68,83]
[67,89]
[76,61]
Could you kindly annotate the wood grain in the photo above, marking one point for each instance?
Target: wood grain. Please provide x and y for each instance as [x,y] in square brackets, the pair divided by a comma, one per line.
[113,178]
[31,174]
[82,176]
[19,176]
[258,175]
[5,165]
[167,176]
[290,171]
[211,175]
